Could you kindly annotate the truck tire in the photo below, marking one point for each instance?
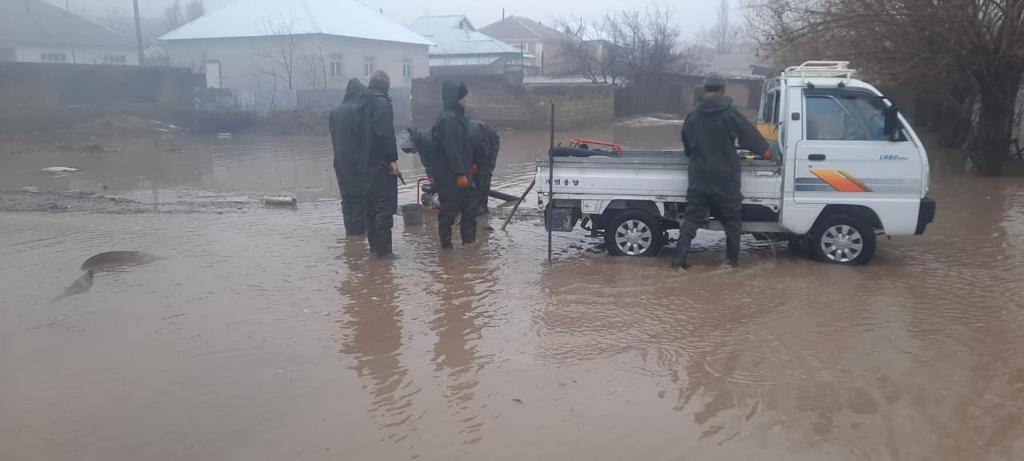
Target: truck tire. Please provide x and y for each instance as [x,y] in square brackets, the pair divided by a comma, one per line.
[844,240]
[633,233]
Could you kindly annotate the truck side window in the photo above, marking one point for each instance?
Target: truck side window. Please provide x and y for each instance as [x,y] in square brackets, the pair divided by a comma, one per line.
[845,116]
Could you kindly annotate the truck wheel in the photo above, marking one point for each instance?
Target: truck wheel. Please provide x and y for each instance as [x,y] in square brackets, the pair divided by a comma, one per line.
[633,233]
[843,239]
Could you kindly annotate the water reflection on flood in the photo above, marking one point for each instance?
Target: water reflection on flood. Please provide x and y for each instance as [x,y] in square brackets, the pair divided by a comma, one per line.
[269,335]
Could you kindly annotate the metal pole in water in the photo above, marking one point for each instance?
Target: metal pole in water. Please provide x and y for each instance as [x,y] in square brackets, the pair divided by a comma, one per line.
[551,178]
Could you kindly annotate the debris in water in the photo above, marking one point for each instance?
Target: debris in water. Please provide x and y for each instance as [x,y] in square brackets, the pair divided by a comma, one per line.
[59,170]
[113,260]
[31,190]
[223,135]
[281,201]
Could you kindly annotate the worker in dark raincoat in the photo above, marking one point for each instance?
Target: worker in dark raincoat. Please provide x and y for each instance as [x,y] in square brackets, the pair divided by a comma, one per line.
[453,161]
[381,154]
[486,144]
[710,135]
[345,132]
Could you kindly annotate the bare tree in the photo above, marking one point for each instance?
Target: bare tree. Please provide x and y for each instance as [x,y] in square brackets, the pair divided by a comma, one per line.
[282,52]
[315,60]
[970,50]
[194,9]
[648,40]
[724,36]
[118,20]
[589,52]
[173,17]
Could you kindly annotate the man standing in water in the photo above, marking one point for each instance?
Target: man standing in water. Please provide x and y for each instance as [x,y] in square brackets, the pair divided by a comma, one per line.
[454,160]
[381,154]
[345,131]
[486,144]
[710,135]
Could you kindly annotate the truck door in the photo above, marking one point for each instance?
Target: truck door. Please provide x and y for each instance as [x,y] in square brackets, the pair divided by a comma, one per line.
[845,156]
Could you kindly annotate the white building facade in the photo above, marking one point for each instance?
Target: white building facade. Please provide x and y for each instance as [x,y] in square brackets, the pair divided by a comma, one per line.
[296,44]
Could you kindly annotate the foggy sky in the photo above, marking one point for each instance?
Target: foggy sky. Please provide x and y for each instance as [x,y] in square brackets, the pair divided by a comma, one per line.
[691,15]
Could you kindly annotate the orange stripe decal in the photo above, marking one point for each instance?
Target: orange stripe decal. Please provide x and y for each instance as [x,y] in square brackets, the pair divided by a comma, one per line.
[839,181]
[854,180]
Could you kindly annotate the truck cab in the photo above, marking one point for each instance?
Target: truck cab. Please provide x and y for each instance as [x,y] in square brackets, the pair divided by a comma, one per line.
[848,167]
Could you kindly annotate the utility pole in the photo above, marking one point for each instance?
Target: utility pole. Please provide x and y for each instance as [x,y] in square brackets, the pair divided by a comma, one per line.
[138,32]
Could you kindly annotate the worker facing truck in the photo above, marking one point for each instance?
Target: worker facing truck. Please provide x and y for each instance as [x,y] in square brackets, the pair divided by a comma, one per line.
[710,135]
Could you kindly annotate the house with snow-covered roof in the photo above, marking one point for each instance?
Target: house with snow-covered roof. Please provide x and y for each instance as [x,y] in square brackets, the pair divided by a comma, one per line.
[36,31]
[296,44]
[459,49]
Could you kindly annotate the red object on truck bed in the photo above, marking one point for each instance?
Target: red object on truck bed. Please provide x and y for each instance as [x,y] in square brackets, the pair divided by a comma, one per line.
[587,143]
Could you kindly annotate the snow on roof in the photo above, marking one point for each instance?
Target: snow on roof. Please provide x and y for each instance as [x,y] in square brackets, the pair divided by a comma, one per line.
[35,21]
[520,29]
[455,35]
[262,18]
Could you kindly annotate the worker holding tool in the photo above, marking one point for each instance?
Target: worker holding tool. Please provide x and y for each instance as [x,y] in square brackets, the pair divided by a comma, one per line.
[710,135]
[344,127]
[381,153]
[486,144]
[454,159]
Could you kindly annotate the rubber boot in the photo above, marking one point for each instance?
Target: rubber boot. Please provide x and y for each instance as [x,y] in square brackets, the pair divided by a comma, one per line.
[732,247]
[384,245]
[371,238]
[682,250]
[446,237]
[467,229]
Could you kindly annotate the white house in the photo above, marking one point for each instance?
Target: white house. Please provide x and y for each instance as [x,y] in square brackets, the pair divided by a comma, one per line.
[296,44]
[36,31]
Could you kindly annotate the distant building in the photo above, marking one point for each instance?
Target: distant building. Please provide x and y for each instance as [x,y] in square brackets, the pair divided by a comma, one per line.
[36,31]
[460,50]
[296,44]
[738,65]
[540,41]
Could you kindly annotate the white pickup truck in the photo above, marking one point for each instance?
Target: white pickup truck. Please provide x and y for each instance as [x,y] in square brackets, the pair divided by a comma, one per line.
[848,167]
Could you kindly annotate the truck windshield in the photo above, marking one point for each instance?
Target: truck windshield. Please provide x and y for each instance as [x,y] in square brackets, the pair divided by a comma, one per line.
[850,116]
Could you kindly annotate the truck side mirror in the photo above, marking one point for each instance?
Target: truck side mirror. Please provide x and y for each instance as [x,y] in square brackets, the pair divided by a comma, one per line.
[892,123]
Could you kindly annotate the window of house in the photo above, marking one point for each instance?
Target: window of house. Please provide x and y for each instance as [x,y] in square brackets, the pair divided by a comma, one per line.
[849,116]
[407,68]
[115,59]
[369,66]
[337,66]
[55,57]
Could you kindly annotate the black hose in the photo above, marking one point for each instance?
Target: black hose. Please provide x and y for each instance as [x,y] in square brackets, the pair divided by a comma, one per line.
[502,196]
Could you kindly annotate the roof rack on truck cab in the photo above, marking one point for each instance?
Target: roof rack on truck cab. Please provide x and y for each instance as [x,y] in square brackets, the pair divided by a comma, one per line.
[821,69]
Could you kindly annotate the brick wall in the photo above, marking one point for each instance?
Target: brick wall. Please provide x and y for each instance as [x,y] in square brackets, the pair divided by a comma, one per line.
[502,103]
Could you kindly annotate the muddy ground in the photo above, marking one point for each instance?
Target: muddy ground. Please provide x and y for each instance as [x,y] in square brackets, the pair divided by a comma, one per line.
[265,334]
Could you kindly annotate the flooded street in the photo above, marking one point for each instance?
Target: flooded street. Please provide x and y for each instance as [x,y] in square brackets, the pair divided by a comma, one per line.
[265,334]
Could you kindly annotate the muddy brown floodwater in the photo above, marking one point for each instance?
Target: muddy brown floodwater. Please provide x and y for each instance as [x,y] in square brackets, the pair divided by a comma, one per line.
[263,334]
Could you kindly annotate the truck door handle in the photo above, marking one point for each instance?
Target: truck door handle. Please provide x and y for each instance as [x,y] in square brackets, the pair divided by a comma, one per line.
[816,157]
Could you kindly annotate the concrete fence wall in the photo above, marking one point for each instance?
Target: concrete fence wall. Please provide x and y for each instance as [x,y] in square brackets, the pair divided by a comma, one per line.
[35,96]
[504,103]
[261,103]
